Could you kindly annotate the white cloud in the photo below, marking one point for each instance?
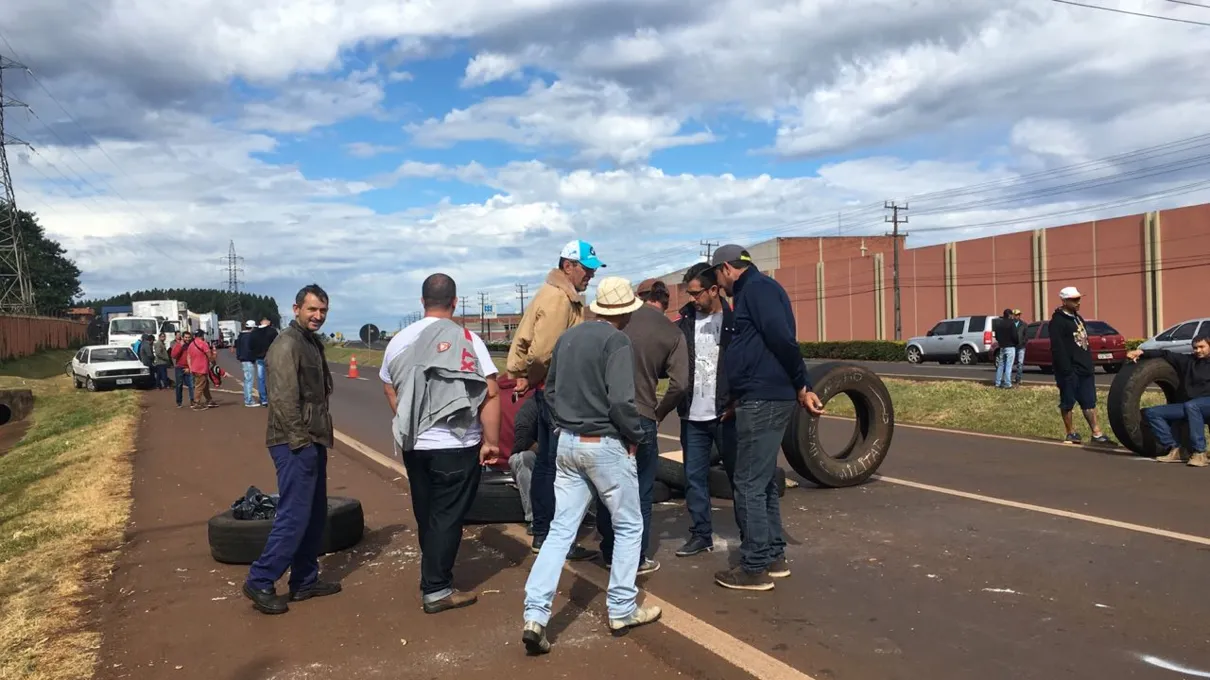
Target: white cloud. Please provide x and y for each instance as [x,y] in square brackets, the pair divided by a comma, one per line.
[304,105]
[488,67]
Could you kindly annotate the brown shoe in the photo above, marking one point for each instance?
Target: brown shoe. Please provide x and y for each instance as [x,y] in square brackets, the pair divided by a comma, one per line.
[1198,459]
[738,579]
[780,568]
[1173,456]
[454,600]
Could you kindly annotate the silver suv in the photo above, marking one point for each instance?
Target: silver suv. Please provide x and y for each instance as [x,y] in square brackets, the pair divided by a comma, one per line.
[964,339]
[1179,338]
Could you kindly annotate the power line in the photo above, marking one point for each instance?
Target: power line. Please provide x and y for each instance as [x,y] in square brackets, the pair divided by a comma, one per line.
[708,248]
[1190,4]
[1137,14]
[16,289]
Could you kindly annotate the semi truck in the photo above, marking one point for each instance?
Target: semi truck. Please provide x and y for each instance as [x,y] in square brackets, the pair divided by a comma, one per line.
[229,330]
[126,329]
[173,314]
[206,323]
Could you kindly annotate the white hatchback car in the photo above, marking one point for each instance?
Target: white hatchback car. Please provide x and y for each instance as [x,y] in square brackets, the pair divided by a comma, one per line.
[105,366]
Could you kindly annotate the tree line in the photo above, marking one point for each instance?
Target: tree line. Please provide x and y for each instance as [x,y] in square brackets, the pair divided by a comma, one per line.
[200,300]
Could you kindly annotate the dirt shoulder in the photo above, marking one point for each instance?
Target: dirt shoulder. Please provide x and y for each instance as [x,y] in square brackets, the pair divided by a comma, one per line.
[171,611]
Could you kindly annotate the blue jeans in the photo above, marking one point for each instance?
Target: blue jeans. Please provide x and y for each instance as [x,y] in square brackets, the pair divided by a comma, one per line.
[759,426]
[542,482]
[260,382]
[1004,370]
[249,374]
[645,460]
[302,512]
[582,466]
[1194,411]
[161,376]
[698,439]
[183,379]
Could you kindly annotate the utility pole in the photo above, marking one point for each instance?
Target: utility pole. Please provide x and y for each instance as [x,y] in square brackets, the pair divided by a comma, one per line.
[708,248]
[463,300]
[895,219]
[16,290]
[234,266]
[482,316]
[521,290]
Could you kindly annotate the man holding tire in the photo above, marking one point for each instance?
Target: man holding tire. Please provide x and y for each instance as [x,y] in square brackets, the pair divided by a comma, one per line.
[766,375]
[1194,372]
[299,434]
[1073,366]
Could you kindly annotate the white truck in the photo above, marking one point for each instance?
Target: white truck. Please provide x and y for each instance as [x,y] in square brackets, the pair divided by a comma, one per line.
[207,323]
[229,329]
[127,329]
[173,314]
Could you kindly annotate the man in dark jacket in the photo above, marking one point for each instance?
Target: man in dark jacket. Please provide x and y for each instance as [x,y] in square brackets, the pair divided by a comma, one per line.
[766,375]
[1020,326]
[245,352]
[299,434]
[263,337]
[1006,338]
[707,419]
[1073,366]
[1194,371]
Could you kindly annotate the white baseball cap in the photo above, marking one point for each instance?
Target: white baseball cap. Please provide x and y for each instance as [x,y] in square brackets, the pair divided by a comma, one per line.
[1069,293]
[249,324]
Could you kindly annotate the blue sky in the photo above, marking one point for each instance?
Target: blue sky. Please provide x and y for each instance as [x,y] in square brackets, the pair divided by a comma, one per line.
[476,138]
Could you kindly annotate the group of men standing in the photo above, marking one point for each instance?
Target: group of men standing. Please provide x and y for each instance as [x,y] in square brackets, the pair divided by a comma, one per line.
[251,347]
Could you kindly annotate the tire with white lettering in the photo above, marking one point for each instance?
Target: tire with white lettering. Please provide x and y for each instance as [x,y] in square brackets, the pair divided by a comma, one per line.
[1125,395]
[241,541]
[871,440]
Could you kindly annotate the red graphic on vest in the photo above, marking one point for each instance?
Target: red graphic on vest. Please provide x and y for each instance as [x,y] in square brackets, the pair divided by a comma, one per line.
[468,360]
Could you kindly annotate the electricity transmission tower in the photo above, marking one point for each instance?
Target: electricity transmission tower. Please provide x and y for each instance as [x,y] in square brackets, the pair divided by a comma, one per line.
[234,265]
[895,219]
[16,291]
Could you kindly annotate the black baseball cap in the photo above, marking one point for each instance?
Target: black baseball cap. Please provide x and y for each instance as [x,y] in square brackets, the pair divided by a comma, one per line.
[729,253]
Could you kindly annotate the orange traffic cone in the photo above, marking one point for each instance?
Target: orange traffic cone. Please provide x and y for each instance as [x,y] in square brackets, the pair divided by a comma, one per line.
[353,368]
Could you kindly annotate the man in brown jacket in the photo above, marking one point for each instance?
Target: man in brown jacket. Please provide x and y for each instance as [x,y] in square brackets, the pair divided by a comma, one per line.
[557,306]
[298,435]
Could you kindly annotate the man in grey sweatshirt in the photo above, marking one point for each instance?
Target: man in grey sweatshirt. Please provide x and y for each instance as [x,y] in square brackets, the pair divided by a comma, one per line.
[590,388]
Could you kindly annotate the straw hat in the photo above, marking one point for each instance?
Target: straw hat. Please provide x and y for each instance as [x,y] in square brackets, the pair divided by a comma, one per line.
[614,298]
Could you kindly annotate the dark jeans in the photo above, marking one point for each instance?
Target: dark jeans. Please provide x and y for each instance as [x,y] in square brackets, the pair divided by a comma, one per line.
[302,512]
[698,439]
[759,427]
[183,379]
[1194,412]
[443,483]
[645,460]
[542,483]
[161,376]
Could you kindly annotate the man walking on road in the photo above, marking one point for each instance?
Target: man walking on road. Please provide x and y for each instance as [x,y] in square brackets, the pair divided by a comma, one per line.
[299,434]
[440,382]
[245,351]
[707,420]
[557,306]
[766,374]
[1194,372]
[591,391]
[1073,366]
[659,349]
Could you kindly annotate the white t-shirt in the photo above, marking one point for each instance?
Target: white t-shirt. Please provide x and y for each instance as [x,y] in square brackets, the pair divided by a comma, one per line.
[437,436]
[707,333]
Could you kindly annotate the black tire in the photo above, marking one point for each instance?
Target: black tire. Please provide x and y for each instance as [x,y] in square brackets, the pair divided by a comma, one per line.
[720,486]
[914,355]
[496,502]
[660,492]
[871,437]
[967,356]
[1125,417]
[241,541]
[1112,368]
[670,472]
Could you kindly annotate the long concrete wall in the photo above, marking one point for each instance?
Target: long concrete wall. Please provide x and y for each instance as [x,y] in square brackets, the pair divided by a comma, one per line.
[22,336]
[1141,274]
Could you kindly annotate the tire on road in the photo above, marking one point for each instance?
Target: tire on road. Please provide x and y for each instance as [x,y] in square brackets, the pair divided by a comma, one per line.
[672,473]
[720,486]
[1125,393]
[660,492]
[871,440]
[497,501]
[241,541]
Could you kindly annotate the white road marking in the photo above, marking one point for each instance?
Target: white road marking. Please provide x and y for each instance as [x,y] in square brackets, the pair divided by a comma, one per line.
[1169,666]
[735,651]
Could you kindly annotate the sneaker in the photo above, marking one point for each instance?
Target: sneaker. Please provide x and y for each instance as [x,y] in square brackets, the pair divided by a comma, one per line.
[779,569]
[640,617]
[529,528]
[251,405]
[648,566]
[1173,456]
[1103,440]
[738,579]
[695,545]
[454,600]
[535,546]
[1198,459]
[317,589]
[533,636]
[1073,438]
[578,553]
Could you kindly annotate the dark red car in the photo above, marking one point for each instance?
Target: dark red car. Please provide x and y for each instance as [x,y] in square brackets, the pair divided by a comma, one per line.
[1107,345]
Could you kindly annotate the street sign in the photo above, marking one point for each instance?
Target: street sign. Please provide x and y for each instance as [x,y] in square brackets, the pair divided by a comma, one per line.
[369,334]
[489,311]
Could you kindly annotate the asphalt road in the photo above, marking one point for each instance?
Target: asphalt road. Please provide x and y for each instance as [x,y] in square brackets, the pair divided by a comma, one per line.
[969,557]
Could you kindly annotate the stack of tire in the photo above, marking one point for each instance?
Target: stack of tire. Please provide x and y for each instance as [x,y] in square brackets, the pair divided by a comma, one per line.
[1125,397]
[241,541]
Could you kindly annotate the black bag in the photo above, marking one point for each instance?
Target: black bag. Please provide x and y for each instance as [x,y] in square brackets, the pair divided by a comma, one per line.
[255,505]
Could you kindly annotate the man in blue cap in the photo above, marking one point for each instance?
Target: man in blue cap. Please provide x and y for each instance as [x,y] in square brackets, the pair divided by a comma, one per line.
[557,306]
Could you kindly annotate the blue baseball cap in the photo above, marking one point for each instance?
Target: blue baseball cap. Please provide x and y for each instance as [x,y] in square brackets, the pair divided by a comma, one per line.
[582,252]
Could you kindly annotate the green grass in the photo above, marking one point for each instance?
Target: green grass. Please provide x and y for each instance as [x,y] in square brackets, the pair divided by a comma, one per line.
[959,405]
[64,493]
[42,365]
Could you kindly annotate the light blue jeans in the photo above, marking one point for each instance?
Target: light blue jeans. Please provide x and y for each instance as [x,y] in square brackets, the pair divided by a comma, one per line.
[249,377]
[581,466]
[1008,362]
[260,382]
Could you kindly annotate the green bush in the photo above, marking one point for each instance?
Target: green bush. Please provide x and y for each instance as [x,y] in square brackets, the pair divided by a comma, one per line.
[855,350]
[1132,345]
